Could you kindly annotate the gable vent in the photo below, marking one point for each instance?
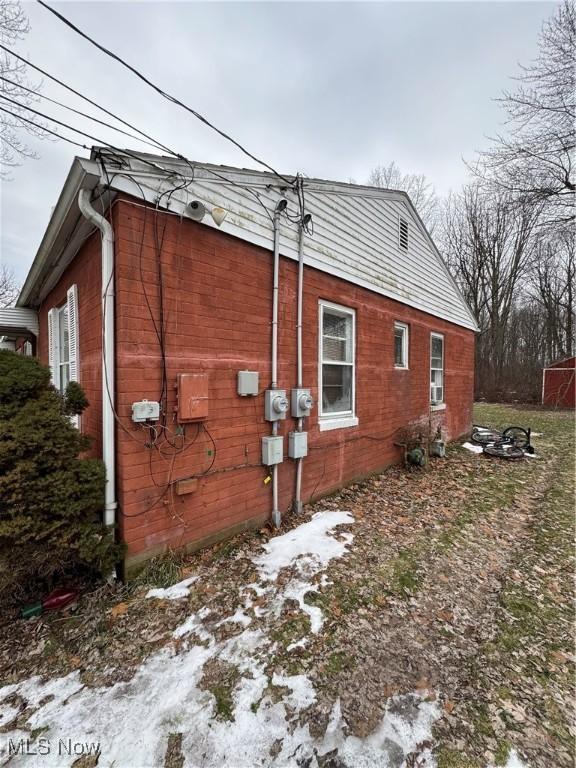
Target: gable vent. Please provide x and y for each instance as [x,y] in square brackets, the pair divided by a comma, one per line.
[403,234]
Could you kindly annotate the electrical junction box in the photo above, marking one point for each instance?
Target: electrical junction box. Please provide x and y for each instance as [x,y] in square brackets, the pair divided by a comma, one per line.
[275,404]
[302,403]
[192,396]
[145,410]
[247,383]
[272,450]
[298,445]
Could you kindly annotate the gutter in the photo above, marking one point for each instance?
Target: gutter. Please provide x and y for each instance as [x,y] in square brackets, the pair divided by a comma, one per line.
[108,349]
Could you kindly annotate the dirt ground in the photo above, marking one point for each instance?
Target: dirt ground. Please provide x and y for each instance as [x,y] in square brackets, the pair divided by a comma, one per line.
[458,584]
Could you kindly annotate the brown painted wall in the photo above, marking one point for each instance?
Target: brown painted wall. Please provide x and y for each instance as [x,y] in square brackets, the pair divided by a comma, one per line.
[217,307]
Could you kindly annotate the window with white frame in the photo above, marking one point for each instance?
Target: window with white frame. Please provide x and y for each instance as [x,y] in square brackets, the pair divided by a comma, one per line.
[337,353]
[436,368]
[63,341]
[63,373]
[400,345]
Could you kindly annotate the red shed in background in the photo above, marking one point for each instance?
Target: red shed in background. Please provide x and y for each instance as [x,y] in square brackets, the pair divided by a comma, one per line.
[559,384]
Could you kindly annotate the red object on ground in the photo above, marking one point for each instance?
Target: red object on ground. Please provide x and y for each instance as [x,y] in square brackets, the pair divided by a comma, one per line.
[59,598]
[559,384]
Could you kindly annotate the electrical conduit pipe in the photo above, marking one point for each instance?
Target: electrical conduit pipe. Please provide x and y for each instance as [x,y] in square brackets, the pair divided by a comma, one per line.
[300,422]
[108,388]
[276,515]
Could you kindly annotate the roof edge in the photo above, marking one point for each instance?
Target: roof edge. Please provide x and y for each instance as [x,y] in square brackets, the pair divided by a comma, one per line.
[83,174]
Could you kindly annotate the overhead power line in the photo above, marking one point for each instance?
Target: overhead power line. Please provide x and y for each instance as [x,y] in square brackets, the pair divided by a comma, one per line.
[87,100]
[133,155]
[163,93]
[19,86]
[43,128]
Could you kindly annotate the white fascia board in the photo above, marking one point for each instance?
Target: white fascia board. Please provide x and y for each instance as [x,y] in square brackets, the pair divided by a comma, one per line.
[83,174]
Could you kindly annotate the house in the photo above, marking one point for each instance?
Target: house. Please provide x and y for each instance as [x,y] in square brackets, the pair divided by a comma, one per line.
[247,342]
[559,383]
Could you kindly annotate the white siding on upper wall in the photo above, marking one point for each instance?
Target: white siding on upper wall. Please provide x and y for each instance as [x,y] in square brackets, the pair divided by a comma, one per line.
[355,234]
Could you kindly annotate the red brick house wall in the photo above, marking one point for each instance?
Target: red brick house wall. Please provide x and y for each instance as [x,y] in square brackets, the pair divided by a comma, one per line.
[86,272]
[217,308]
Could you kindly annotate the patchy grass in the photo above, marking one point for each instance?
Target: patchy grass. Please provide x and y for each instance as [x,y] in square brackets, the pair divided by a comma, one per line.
[292,629]
[459,576]
[523,676]
[451,758]
[220,679]
[161,571]
[337,662]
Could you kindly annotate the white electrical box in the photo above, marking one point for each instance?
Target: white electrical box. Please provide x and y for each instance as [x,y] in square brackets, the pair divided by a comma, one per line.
[272,450]
[302,403]
[298,445]
[247,383]
[145,410]
[275,404]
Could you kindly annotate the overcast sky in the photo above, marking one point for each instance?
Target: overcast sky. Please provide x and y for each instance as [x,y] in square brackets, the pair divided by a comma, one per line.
[329,89]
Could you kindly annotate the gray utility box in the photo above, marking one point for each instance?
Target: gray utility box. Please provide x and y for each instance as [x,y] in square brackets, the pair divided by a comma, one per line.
[298,445]
[302,403]
[247,383]
[275,404]
[272,450]
[145,410]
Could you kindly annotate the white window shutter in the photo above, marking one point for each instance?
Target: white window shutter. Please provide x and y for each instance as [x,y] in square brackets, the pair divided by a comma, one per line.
[53,348]
[73,335]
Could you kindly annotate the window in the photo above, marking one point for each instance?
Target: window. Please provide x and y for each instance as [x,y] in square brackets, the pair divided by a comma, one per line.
[436,368]
[337,364]
[403,234]
[63,373]
[63,341]
[400,345]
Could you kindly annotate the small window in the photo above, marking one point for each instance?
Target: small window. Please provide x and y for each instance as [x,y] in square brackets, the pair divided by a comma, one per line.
[336,360]
[403,234]
[63,341]
[400,345]
[63,373]
[436,368]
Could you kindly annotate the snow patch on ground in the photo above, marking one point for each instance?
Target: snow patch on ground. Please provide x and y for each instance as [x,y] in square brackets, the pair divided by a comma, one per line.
[175,592]
[513,761]
[472,447]
[131,721]
[407,722]
[309,547]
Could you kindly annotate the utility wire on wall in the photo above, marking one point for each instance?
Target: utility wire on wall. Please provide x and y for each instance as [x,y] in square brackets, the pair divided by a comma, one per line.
[162,435]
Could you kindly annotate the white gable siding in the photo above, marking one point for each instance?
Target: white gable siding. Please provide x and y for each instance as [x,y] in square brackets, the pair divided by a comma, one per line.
[355,232]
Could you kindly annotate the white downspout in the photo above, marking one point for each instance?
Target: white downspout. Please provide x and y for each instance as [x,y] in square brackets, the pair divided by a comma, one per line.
[276,515]
[300,422]
[108,387]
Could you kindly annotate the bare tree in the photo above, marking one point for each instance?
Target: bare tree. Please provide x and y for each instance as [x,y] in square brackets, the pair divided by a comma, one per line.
[535,159]
[552,284]
[421,191]
[8,287]
[14,85]
[489,245]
